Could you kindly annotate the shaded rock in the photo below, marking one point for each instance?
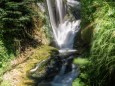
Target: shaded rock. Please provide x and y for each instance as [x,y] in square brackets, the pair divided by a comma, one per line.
[86,34]
[40,69]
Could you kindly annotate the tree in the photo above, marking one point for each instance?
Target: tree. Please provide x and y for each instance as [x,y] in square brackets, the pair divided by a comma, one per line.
[15,16]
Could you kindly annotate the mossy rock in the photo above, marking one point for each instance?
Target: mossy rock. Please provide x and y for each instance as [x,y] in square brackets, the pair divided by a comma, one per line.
[39,54]
[43,54]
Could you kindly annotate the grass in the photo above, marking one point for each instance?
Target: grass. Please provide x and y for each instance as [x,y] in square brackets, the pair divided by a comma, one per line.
[5,56]
[103,45]
[101,70]
[5,83]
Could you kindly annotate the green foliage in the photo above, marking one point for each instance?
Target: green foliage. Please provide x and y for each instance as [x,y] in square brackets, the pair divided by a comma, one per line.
[14,15]
[5,83]
[101,69]
[88,8]
[103,46]
[15,21]
[78,82]
[82,80]
[5,56]
[81,61]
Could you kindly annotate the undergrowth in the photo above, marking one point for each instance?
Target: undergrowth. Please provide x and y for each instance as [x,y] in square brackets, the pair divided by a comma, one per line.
[5,56]
[102,52]
[15,39]
[101,69]
[15,22]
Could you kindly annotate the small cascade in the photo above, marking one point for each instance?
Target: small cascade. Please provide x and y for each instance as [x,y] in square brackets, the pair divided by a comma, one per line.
[65,79]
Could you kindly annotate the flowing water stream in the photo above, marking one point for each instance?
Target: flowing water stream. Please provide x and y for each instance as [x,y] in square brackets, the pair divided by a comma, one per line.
[64,28]
[65,22]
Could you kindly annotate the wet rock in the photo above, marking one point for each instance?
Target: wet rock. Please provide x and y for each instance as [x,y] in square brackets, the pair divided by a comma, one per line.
[40,70]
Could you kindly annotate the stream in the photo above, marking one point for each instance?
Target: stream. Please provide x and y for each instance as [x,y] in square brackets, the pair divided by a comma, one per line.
[65,21]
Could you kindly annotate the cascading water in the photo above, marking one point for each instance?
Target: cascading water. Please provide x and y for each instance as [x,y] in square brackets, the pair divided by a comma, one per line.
[65,22]
[64,30]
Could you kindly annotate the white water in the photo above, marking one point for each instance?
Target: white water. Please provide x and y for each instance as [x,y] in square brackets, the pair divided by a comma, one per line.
[64,30]
[65,79]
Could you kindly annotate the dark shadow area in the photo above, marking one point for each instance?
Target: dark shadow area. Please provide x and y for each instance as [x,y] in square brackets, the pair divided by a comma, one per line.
[16,22]
[18,41]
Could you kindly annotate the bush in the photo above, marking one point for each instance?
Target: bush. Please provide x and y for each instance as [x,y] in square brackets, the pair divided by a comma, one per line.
[103,46]
[14,15]
[101,70]
[15,24]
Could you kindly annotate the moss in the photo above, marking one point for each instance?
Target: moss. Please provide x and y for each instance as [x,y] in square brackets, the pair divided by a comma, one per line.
[5,83]
[39,55]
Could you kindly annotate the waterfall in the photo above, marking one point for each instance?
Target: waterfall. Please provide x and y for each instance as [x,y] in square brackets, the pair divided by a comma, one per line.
[65,23]
[64,29]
